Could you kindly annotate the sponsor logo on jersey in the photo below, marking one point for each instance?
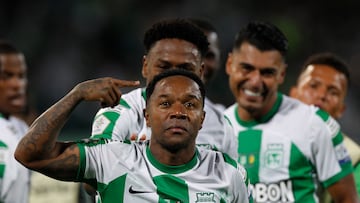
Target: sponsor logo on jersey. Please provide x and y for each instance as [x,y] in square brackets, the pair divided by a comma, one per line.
[273,192]
[100,125]
[137,191]
[333,126]
[247,160]
[274,156]
[342,154]
[205,197]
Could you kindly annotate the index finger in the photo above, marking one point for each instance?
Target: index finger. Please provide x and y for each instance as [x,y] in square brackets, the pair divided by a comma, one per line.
[126,83]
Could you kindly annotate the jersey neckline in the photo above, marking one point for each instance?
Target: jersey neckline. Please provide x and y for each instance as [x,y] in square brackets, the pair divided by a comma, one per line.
[172,169]
[264,118]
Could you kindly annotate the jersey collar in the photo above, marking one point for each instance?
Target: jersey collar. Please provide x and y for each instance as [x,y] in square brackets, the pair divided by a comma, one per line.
[172,169]
[264,118]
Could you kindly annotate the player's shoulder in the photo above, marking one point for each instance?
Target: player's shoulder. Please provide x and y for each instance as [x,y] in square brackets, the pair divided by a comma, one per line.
[132,100]
[216,157]
[294,106]
[314,117]
[230,111]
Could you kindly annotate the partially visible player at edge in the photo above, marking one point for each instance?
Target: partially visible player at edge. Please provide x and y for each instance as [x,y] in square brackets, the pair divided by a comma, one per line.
[168,168]
[14,178]
[286,146]
[324,82]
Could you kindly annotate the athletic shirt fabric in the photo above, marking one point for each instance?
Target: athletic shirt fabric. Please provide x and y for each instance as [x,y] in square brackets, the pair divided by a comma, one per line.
[129,173]
[289,150]
[14,178]
[127,118]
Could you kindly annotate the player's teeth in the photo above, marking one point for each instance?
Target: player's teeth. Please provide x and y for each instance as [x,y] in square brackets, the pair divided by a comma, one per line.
[251,93]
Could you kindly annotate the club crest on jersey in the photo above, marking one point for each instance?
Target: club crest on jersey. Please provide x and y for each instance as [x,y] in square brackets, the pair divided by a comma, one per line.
[205,197]
[274,155]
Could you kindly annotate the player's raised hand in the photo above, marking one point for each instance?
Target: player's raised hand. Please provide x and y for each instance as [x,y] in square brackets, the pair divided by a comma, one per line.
[106,90]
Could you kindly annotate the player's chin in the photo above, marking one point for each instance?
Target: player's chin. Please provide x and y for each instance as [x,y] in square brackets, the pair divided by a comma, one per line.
[250,106]
[175,146]
[13,109]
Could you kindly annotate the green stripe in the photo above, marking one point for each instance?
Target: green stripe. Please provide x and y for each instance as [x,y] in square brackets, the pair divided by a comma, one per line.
[171,189]
[2,144]
[228,120]
[249,152]
[2,170]
[172,169]
[114,191]
[300,171]
[143,93]
[346,169]
[337,139]
[229,160]
[357,177]
[323,115]
[82,164]
[124,104]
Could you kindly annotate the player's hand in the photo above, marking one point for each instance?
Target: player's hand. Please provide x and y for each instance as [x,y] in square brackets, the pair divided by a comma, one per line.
[106,90]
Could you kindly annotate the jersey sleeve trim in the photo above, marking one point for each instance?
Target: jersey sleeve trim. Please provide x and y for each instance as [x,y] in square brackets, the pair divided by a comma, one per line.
[346,170]
[82,164]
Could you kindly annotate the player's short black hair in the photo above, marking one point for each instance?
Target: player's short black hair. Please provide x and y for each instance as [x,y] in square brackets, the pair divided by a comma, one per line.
[329,59]
[6,47]
[204,25]
[264,36]
[174,72]
[178,29]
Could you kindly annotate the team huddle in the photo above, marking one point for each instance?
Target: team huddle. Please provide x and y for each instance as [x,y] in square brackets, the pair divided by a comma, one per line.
[167,142]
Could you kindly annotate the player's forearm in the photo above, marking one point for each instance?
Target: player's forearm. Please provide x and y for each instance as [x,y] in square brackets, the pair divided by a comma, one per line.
[40,142]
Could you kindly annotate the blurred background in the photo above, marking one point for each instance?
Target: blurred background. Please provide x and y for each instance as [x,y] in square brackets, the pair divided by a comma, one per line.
[69,41]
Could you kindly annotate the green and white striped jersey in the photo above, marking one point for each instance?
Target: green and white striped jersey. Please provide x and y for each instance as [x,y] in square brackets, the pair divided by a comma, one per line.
[127,118]
[290,150]
[129,173]
[14,178]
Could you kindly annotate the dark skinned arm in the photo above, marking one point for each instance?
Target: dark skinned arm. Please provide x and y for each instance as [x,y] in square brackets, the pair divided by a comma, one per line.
[39,149]
[344,190]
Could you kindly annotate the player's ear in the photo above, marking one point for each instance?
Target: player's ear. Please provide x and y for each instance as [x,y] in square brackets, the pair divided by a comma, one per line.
[144,67]
[228,64]
[340,111]
[282,73]
[202,118]
[293,92]
[146,116]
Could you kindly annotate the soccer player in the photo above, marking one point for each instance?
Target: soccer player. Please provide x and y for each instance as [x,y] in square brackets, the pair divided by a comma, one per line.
[211,62]
[212,56]
[14,178]
[169,44]
[323,82]
[286,146]
[168,168]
